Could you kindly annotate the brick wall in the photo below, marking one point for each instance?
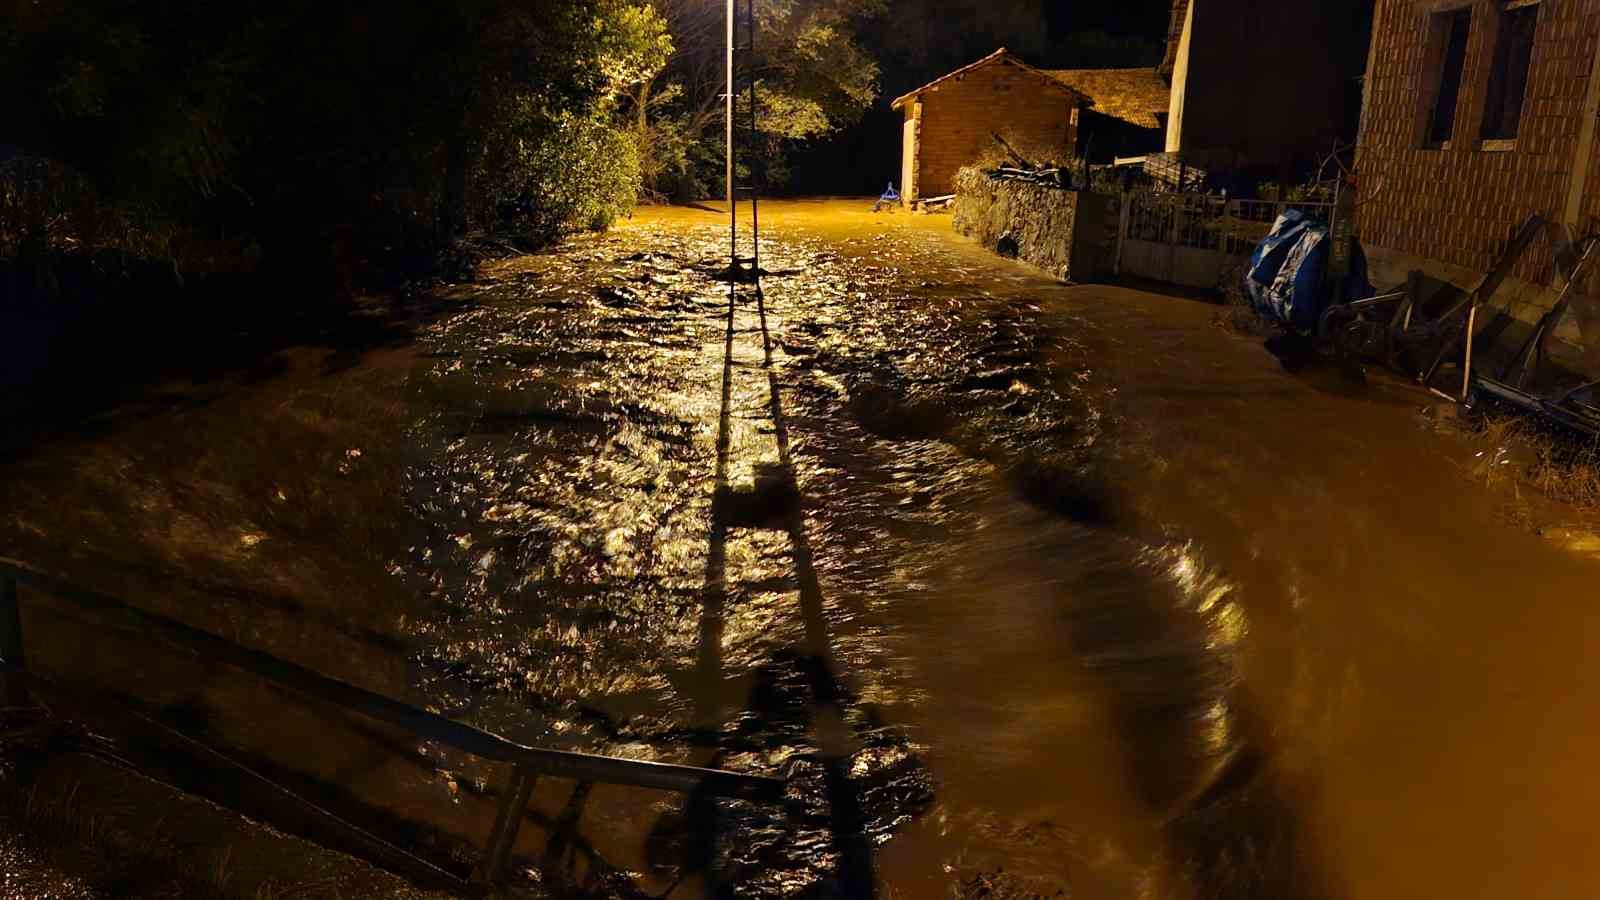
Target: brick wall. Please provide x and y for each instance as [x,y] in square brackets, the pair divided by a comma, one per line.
[959,115]
[1461,205]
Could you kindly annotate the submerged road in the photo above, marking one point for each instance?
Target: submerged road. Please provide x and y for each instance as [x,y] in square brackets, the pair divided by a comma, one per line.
[1026,589]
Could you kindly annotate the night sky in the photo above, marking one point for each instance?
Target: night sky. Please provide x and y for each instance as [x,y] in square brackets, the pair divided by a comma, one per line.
[919,40]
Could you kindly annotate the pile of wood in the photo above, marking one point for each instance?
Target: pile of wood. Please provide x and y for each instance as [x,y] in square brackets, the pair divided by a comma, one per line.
[1046,175]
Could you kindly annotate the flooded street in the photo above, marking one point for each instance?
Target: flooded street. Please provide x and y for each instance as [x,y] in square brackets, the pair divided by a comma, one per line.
[1024,589]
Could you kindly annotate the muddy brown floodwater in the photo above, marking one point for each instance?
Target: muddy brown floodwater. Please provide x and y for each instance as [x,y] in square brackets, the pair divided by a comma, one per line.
[1074,594]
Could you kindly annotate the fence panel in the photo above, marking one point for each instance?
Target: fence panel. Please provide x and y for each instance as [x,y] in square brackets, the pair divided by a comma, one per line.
[1192,239]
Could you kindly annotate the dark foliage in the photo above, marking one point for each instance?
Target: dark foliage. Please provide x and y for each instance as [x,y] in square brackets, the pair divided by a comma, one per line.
[309,134]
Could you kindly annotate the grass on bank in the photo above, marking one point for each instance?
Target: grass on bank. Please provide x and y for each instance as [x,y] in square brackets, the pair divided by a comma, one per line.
[59,844]
[1521,453]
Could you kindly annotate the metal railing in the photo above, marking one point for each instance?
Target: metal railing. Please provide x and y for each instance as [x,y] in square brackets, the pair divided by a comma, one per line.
[1209,222]
[528,763]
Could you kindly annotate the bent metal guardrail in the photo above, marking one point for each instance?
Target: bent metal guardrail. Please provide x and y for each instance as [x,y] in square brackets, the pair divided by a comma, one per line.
[527,762]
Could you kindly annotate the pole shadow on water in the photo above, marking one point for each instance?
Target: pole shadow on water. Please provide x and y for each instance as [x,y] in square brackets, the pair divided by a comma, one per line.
[768,701]
[856,874]
[699,851]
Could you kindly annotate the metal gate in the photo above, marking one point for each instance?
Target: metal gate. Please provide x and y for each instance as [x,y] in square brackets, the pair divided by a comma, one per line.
[1193,239]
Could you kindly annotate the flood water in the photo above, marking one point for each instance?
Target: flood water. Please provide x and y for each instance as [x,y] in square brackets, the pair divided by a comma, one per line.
[1025,589]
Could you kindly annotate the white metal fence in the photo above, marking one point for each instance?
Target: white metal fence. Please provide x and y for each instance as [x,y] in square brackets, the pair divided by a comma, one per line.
[1192,239]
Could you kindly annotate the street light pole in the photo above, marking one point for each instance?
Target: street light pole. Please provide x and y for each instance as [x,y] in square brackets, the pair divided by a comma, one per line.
[733,204]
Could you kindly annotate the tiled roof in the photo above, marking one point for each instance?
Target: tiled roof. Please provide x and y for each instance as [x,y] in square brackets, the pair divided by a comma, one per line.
[1132,95]
[1001,56]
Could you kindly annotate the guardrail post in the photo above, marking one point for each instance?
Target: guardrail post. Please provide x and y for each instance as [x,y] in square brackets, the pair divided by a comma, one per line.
[507,822]
[12,690]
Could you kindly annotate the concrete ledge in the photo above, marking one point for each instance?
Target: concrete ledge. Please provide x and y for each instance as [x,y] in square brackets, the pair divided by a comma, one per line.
[1577,340]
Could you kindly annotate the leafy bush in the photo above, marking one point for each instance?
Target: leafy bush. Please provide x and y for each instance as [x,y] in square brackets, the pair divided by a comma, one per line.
[150,128]
[46,205]
[583,175]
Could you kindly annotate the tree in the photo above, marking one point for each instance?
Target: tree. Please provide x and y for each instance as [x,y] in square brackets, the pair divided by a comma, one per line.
[574,165]
[813,77]
[402,121]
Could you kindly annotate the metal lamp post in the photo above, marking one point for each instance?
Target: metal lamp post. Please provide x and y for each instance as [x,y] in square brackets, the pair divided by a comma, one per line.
[733,199]
[731,112]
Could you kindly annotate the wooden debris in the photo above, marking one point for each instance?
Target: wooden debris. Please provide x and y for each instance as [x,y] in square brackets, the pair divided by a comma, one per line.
[1047,175]
[1011,152]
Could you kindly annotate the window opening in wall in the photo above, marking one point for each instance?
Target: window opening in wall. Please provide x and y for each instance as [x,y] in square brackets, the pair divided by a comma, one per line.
[1508,74]
[1450,31]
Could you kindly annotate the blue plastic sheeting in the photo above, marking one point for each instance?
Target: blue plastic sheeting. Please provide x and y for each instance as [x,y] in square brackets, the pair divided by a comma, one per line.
[1287,280]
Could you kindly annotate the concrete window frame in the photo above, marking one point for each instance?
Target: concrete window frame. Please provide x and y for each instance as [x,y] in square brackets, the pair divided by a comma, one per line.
[1488,141]
[1439,21]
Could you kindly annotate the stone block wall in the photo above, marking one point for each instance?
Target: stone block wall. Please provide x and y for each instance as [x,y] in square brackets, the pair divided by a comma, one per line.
[1069,234]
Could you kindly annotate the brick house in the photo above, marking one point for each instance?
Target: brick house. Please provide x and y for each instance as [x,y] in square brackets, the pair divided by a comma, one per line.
[1479,113]
[1062,112]
[948,121]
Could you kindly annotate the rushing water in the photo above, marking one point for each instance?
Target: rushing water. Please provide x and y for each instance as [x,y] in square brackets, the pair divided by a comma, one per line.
[1075,594]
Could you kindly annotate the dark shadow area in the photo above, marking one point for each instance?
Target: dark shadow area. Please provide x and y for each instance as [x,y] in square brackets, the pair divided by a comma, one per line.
[1294,352]
[81,363]
[1165,289]
[178,744]
[701,812]
[856,871]
[175,745]
[566,850]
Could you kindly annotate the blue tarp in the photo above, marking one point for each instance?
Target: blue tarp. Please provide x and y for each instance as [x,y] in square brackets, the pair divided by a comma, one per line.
[1287,277]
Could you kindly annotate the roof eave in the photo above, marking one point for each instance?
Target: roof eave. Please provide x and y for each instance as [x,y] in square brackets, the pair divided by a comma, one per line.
[1001,55]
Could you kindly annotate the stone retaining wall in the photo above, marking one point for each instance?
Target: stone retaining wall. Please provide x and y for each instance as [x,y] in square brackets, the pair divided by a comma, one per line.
[1070,234]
